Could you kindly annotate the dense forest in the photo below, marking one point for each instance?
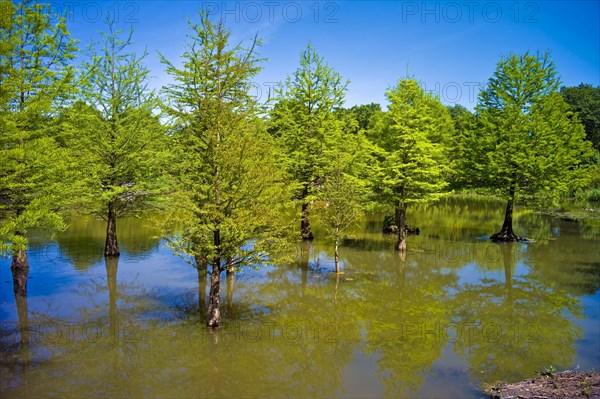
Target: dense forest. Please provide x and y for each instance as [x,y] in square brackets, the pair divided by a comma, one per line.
[241,180]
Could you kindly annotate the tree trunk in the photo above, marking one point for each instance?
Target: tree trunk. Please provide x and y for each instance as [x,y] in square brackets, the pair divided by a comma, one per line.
[111,248]
[506,234]
[230,277]
[305,229]
[201,266]
[336,256]
[214,301]
[400,219]
[20,272]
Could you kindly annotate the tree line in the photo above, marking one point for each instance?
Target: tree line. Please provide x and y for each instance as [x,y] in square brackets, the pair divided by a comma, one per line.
[239,180]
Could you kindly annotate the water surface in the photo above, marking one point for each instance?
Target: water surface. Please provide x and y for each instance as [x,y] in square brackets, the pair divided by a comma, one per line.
[456,312]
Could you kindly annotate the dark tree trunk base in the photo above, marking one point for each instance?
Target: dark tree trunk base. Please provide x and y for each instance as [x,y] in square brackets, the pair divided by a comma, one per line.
[505,236]
[506,233]
[20,271]
[305,229]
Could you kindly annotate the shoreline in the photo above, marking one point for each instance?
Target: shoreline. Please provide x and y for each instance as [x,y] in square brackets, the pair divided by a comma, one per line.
[566,384]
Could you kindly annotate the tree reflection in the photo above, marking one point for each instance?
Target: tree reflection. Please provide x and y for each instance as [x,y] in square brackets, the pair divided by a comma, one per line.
[83,242]
[404,307]
[514,325]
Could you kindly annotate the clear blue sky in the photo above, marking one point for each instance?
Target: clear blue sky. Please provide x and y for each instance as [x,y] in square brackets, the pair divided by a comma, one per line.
[452,47]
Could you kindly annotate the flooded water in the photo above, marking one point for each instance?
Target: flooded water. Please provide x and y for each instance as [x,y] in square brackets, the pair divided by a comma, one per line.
[456,312]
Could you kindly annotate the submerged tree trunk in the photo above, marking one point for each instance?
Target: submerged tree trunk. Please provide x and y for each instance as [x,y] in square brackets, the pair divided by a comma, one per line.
[336,256]
[506,234]
[214,301]
[20,272]
[305,229]
[202,267]
[400,220]
[111,248]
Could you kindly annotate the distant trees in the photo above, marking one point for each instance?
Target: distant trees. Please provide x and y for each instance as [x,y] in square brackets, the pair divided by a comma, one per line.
[35,75]
[230,194]
[585,101]
[409,140]
[115,135]
[528,132]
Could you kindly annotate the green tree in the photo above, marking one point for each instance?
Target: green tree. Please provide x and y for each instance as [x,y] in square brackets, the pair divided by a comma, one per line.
[231,195]
[301,121]
[34,76]
[585,101]
[531,137]
[115,134]
[365,113]
[409,145]
[342,195]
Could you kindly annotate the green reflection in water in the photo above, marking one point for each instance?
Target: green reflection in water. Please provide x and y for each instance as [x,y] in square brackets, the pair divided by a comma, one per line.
[83,241]
[505,310]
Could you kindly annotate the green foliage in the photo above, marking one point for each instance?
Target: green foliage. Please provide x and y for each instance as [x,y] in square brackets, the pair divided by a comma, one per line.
[114,133]
[341,198]
[230,196]
[303,118]
[34,78]
[532,140]
[409,145]
[363,115]
[593,194]
[466,158]
[585,101]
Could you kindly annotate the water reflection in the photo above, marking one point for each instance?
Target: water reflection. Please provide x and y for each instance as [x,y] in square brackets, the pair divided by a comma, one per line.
[483,311]
[512,324]
[83,242]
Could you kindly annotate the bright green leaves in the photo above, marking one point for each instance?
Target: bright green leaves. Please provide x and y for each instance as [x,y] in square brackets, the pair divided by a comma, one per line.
[34,78]
[225,176]
[116,136]
[519,82]
[304,117]
[35,54]
[409,140]
[531,139]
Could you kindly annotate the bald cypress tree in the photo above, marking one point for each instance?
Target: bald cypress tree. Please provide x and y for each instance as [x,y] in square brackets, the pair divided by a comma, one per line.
[532,139]
[230,195]
[35,76]
[301,121]
[115,134]
[409,139]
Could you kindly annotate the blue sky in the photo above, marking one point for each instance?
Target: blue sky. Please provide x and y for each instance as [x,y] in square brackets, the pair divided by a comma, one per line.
[452,47]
